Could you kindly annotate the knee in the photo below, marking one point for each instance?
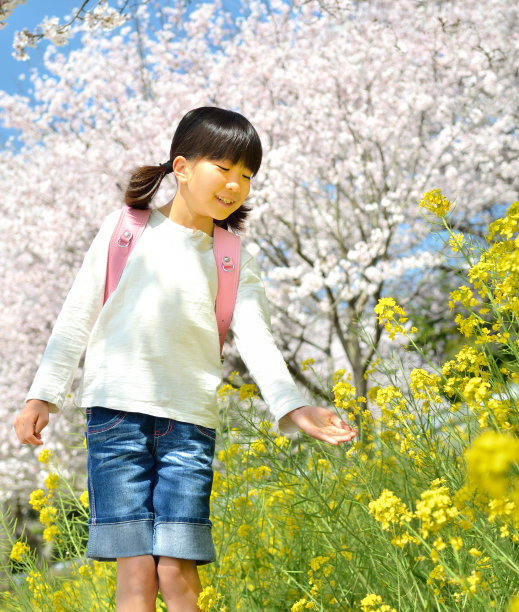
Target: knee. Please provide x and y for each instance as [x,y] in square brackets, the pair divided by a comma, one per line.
[137,576]
[177,576]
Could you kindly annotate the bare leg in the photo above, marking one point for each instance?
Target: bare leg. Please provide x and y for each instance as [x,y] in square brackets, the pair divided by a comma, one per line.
[179,584]
[137,584]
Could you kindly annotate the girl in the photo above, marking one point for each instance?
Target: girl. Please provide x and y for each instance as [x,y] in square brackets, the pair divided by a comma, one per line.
[152,366]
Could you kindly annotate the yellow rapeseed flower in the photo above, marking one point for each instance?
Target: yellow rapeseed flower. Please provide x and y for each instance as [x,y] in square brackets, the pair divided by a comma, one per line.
[51,482]
[476,390]
[425,386]
[48,515]
[463,295]
[306,363]
[234,375]
[248,391]
[37,499]
[338,374]
[435,508]
[244,530]
[467,326]
[435,202]
[371,368]
[317,562]
[389,509]
[456,242]
[85,571]
[439,544]
[265,426]
[299,605]
[36,585]
[18,550]
[344,394]
[45,456]
[392,316]
[490,461]
[208,598]
[373,603]
[507,226]
[257,448]
[225,391]
[456,543]
[263,471]
[51,533]
[281,441]
[83,498]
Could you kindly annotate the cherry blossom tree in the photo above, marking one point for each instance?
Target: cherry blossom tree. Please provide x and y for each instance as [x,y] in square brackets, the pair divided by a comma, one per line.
[361,107]
[91,14]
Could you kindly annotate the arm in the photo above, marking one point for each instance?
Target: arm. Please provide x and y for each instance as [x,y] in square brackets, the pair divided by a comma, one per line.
[68,340]
[251,327]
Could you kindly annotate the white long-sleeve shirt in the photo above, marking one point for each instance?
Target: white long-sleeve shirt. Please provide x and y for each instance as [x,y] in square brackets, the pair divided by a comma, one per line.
[154,347]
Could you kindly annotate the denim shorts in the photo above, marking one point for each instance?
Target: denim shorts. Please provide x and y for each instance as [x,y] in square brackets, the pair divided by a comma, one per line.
[149,485]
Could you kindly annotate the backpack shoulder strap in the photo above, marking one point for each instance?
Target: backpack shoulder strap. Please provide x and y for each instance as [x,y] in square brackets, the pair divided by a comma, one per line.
[226,248]
[128,230]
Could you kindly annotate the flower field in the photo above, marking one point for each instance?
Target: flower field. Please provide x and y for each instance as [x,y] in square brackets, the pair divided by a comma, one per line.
[420,513]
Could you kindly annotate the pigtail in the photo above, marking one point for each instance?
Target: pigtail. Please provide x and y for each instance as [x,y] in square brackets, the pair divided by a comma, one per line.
[236,221]
[143,185]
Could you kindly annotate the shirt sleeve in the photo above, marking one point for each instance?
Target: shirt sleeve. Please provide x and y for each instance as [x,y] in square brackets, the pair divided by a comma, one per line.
[75,321]
[251,327]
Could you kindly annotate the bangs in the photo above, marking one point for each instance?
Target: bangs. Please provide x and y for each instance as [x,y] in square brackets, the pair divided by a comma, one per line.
[236,144]
[217,133]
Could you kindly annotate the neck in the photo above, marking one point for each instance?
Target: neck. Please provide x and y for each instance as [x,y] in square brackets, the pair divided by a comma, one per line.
[178,211]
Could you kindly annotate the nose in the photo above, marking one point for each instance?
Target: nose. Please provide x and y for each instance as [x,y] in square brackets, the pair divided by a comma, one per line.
[233,186]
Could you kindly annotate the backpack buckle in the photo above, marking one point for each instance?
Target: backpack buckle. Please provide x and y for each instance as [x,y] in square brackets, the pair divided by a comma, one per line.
[227,264]
[126,237]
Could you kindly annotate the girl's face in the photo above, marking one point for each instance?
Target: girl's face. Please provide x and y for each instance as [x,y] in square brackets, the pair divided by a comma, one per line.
[215,188]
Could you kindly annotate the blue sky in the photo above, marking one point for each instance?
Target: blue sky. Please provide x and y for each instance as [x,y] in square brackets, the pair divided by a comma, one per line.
[28,16]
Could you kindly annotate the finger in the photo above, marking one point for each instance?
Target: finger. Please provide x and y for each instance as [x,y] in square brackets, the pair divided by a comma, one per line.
[34,439]
[19,427]
[332,437]
[41,422]
[30,438]
[350,431]
[335,420]
[26,432]
[342,435]
[345,437]
[340,424]
[340,430]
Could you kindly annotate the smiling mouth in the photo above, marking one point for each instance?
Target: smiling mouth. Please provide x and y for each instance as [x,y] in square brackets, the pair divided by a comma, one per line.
[225,201]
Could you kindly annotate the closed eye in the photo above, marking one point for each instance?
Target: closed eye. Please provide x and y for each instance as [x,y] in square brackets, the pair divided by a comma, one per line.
[227,170]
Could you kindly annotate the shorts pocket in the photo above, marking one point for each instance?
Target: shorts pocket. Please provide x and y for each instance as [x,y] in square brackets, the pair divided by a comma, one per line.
[101,419]
[207,431]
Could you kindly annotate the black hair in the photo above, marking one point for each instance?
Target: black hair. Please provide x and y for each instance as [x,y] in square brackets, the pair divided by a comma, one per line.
[206,132]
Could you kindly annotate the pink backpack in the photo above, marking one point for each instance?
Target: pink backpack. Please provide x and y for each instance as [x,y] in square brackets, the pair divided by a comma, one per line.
[226,247]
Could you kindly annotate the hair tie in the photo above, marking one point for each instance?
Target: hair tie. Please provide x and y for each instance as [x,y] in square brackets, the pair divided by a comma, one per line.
[168,167]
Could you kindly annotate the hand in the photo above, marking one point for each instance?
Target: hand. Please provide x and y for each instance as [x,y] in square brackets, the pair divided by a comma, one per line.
[31,420]
[322,424]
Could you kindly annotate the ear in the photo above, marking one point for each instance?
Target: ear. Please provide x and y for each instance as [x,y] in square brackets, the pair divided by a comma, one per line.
[181,168]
